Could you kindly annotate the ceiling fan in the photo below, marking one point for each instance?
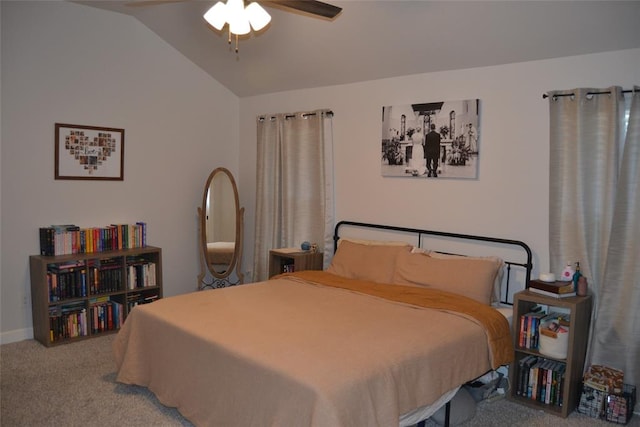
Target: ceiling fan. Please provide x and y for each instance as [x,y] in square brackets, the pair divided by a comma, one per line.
[240,19]
[312,7]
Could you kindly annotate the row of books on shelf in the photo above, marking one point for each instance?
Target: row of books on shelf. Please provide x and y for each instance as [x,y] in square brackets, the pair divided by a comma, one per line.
[107,276]
[541,380]
[106,316]
[67,282]
[77,279]
[142,274]
[532,324]
[288,268]
[72,321]
[67,322]
[138,299]
[71,239]
[557,289]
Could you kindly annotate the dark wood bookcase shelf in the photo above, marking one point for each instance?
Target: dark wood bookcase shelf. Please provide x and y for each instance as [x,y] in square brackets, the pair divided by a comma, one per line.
[283,261]
[580,316]
[80,296]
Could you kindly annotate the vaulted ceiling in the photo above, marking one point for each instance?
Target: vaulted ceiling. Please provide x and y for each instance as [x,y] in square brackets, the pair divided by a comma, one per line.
[378,39]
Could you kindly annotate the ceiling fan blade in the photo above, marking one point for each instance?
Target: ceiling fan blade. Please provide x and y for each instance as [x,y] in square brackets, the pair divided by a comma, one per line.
[310,6]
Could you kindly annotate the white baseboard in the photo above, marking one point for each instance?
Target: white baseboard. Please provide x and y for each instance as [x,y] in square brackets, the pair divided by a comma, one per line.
[16,335]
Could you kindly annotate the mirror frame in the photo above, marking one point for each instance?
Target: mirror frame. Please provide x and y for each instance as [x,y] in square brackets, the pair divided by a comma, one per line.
[218,279]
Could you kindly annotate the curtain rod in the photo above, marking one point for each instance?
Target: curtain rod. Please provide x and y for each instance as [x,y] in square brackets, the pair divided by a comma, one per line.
[544,95]
[291,116]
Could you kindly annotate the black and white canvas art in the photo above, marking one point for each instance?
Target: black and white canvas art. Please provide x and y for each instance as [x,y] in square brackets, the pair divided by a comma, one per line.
[431,140]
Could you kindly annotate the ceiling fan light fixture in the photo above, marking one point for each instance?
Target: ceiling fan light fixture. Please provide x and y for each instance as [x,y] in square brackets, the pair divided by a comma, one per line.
[239,27]
[237,18]
[217,15]
[258,17]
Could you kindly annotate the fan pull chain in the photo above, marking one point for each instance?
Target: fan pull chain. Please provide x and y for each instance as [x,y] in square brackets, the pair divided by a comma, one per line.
[236,41]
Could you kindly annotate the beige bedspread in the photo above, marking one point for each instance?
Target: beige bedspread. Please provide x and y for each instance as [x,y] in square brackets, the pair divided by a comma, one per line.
[292,353]
[495,324]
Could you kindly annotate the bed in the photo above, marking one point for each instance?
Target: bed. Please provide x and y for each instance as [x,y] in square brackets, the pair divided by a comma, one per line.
[368,342]
[220,253]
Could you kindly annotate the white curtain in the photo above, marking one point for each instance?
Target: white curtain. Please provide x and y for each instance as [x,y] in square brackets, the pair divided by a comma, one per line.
[295,190]
[595,213]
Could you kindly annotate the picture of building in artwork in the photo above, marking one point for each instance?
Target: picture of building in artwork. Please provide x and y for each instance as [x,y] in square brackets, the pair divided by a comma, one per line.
[431,140]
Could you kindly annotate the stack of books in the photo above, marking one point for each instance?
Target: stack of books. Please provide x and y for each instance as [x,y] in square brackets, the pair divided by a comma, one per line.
[556,289]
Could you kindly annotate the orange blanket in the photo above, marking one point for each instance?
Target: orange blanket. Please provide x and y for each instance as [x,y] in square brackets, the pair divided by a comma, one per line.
[494,323]
[290,352]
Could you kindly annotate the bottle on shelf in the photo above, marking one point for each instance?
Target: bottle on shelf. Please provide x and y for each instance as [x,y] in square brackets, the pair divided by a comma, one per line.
[582,287]
[576,276]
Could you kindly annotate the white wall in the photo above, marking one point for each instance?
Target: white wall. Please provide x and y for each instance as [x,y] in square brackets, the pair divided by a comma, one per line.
[63,62]
[68,63]
[510,198]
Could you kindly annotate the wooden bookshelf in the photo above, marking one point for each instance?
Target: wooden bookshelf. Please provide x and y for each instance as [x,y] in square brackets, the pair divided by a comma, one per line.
[579,309]
[85,295]
[287,260]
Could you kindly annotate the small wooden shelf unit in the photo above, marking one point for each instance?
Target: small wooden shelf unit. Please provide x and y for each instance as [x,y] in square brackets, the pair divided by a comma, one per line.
[287,261]
[580,316]
[80,296]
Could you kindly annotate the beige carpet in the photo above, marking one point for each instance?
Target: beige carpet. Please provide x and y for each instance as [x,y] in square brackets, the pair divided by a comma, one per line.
[74,385]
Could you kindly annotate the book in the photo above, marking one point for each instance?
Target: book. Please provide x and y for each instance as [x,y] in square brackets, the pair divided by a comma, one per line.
[557,287]
[529,329]
[523,374]
[47,241]
[552,294]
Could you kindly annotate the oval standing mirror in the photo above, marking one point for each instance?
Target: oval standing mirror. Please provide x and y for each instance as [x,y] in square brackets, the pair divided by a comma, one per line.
[220,223]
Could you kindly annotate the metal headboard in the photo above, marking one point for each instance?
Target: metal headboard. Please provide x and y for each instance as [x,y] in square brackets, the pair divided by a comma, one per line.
[420,233]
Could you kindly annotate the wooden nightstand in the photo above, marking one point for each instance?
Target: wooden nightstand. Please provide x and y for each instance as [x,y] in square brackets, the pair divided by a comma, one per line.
[290,260]
[572,366]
